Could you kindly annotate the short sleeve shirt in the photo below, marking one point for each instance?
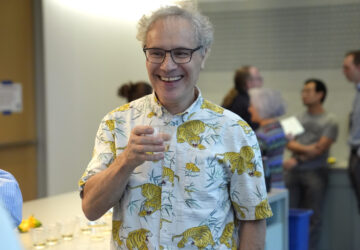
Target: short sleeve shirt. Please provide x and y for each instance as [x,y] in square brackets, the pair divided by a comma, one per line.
[272,141]
[10,196]
[317,126]
[211,175]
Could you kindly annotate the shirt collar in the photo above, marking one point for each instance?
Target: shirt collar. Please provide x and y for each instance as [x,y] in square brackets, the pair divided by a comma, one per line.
[160,111]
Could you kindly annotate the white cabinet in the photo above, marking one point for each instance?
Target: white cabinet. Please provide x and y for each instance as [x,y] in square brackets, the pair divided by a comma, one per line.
[277,226]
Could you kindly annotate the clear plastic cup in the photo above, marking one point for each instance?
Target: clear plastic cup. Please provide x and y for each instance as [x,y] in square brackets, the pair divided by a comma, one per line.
[68,229]
[166,132]
[107,218]
[53,233]
[38,237]
[84,224]
[97,230]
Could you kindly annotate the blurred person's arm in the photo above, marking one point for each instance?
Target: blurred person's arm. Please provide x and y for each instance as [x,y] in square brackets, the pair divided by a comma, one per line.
[306,152]
[103,190]
[8,237]
[289,163]
[252,235]
[310,151]
[299,148]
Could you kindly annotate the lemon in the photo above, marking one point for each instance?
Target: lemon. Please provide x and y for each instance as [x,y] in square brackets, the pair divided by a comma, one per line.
[29,223]
[331,160]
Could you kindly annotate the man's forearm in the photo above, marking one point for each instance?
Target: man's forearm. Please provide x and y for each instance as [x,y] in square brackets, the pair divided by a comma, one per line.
[252,235]
[103,190]
[299,148]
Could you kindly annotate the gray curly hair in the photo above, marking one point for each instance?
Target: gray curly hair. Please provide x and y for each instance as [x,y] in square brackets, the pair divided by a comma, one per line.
[267,102]
[204,31]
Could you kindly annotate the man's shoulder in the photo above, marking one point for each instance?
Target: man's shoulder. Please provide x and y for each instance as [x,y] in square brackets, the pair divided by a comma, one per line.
[137,104]
[214,114]
[217,110]
[6,178]
[330,118]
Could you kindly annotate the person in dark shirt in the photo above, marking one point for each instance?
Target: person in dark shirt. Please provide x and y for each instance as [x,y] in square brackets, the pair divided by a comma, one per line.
[351,70]
[132,91]
[237,99]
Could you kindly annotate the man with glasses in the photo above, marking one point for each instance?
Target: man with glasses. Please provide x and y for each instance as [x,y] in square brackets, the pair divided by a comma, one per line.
[192,193]
[306,172]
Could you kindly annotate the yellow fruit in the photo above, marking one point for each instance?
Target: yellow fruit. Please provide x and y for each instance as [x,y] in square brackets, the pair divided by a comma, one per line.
[331,160]
[24,226]
[29,223]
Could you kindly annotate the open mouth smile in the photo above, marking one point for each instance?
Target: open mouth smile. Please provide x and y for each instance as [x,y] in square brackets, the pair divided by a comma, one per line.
[170,79]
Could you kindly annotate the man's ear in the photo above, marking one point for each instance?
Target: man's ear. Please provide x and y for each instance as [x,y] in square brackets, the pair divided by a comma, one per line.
[205,56]
[321,93]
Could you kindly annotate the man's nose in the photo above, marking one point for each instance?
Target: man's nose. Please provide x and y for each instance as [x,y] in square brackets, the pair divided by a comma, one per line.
[168,62]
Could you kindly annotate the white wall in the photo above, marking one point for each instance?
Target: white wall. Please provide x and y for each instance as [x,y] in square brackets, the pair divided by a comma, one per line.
[87,57]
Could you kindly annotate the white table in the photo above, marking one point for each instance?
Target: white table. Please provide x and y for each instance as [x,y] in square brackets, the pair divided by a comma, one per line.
[56,209]
[61,207]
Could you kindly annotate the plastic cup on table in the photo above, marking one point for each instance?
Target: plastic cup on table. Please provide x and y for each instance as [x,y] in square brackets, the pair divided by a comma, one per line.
[107,218]
[68,227]
[97,230]
[84,225]
[38,237]
[53,233]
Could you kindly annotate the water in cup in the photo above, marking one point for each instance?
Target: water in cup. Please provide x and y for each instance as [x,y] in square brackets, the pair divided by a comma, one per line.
[38,237]
[68,229]
[53,233]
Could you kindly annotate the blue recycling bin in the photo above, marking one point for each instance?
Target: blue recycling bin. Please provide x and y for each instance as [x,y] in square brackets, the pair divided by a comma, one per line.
[299,227]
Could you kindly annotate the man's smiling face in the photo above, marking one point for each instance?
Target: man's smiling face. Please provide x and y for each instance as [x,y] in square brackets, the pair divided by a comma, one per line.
[174,84]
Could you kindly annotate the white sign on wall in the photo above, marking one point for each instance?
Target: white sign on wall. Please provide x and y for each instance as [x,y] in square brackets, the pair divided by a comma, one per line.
[10,97]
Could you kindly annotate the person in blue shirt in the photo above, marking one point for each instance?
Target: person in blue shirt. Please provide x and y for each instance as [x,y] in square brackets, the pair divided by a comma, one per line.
[265,107]
[11,197]
[8,237]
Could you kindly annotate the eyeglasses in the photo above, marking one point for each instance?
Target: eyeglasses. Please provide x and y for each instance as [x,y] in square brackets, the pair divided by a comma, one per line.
[178,55]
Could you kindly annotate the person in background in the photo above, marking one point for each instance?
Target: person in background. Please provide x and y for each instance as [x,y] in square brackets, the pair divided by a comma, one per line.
[8,238]
[132,91]
[237,99]
[306,172]
[351,69]
[10,196]
[266,106]
[211,176]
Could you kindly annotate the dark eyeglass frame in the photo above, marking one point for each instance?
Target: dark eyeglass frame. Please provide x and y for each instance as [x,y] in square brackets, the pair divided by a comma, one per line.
[171,51]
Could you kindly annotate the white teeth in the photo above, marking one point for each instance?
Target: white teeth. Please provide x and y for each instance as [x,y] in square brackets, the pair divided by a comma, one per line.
[169,79]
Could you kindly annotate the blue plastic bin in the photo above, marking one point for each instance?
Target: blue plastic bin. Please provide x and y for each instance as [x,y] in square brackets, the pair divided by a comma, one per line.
[299,226]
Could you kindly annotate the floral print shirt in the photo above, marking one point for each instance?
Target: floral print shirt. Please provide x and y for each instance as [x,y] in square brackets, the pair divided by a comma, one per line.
[211,177]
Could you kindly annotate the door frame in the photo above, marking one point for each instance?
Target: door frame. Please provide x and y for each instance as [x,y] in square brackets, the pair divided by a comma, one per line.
[40,107]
